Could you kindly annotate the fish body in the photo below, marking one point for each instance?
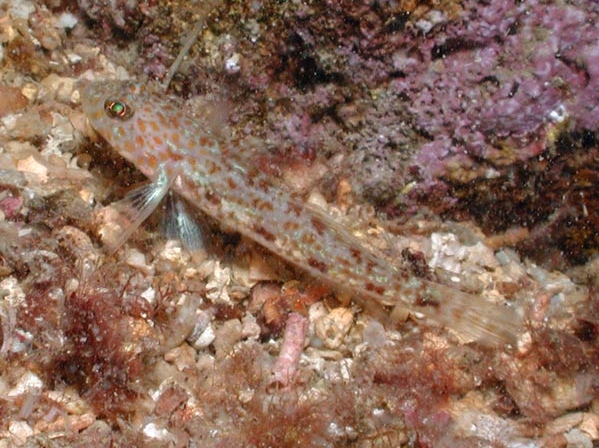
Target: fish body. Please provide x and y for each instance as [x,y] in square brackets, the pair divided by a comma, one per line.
[175,152]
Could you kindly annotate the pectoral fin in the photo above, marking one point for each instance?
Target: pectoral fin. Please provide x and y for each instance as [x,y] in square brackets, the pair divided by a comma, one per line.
[123,217]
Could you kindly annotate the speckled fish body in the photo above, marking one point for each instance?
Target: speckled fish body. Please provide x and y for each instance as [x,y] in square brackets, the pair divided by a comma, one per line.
[174,151]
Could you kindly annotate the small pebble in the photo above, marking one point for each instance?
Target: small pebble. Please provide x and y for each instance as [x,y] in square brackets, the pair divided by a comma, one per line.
[332,328]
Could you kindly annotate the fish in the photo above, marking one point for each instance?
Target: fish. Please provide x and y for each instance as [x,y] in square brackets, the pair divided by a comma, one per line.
[177,153]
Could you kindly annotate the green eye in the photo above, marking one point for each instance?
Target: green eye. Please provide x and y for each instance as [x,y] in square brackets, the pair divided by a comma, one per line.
[118,109]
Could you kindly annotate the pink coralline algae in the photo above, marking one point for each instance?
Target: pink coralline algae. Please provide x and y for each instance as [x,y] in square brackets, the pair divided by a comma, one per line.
[500,75]
[156,53]
[506,95]
[286,367]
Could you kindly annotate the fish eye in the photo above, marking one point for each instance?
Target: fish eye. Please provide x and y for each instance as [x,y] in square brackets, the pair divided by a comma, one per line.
[118,109]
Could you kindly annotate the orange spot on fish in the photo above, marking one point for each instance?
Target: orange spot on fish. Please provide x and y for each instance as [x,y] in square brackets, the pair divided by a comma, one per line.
[129,146]
[176,139]
[152,162]
[173,155]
